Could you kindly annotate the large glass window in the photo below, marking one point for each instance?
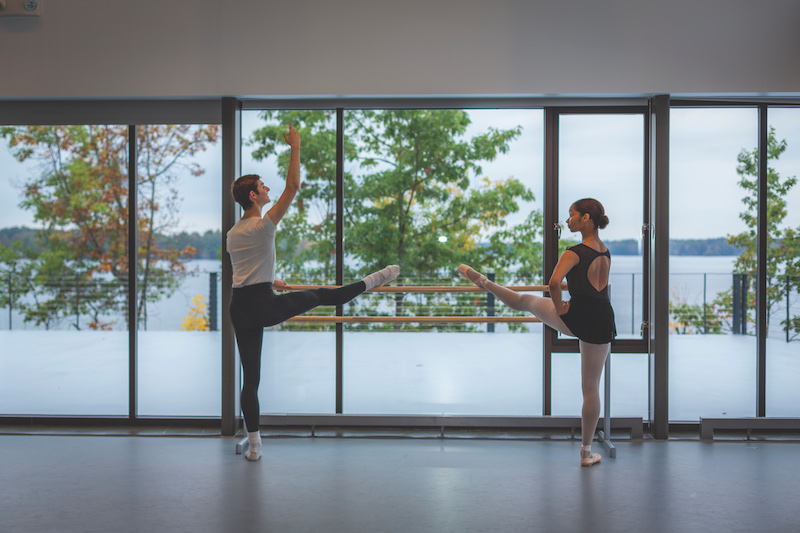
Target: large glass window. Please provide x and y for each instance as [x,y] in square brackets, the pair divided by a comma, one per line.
[179,265]
[712,347]
[428,190]
[64,270]
[601,156]
[783,264]
[298,364]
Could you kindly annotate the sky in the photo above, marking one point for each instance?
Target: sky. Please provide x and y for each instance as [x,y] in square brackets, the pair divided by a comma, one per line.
[600,157]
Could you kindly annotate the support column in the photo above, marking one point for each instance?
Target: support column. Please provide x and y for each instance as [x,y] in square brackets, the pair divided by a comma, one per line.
[761,274]
[231,168]
[659,266]
[133,250]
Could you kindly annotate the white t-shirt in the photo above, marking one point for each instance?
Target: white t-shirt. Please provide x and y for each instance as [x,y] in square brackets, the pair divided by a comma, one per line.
[251,245]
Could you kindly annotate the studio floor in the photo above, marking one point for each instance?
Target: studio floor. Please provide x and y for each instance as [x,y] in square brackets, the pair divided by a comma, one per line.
[121,483]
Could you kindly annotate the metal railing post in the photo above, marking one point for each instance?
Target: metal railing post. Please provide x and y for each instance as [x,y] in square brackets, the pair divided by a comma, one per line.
[212,301]
[10,299]
[788,315]
[705,322]
[490,304]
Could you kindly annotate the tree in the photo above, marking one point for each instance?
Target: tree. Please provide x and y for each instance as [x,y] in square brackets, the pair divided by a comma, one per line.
[409,198]
[197,319]
[81,201]
[783,243]
[307,252]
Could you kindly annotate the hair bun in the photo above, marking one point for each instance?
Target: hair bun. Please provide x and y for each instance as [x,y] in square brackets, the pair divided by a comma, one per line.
[602,222]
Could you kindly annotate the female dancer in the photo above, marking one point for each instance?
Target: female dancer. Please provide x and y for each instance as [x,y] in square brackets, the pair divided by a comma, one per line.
[587,315]
[254,305]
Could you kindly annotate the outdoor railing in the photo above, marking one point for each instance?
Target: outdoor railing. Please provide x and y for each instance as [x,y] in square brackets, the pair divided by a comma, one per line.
[81,301]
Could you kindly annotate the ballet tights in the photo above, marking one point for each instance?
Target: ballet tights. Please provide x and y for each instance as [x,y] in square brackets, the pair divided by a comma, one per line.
[593,358]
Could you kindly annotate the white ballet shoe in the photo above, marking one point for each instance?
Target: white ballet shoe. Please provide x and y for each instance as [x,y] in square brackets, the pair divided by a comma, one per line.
[253,452]
[382,276]
[472,275]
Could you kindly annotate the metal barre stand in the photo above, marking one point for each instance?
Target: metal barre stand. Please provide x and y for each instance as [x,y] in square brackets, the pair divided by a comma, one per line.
[604,435]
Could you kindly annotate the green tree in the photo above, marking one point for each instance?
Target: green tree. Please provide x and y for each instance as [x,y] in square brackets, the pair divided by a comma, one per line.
[783,243]
[409,199]
[307,252]
[80,199]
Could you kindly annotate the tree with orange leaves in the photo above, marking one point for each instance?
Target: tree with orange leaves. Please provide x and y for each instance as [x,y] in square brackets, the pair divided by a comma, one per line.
[80,199]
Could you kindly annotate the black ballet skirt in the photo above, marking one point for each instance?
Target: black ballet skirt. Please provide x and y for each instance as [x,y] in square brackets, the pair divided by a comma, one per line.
[590,316]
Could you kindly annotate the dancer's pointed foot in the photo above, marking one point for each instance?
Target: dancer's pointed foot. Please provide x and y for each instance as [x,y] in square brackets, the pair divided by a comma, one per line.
[587,457]
[473,275]
[382,276]
[592,459]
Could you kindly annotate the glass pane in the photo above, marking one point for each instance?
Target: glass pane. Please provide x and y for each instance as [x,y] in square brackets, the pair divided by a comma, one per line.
[783,268]
[602,156]
[428,190]
[298,365]
[63,265]
[179,270]
[712,348]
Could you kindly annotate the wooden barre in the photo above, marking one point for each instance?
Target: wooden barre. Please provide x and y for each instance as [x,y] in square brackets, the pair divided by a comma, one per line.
[413,319]
[419,288]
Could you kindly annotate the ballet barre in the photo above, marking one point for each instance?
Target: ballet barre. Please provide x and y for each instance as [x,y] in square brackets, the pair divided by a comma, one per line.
[411,319]
[416,319]
[419,288]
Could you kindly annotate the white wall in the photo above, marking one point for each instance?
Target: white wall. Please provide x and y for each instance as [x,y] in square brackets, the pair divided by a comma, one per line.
[97,48]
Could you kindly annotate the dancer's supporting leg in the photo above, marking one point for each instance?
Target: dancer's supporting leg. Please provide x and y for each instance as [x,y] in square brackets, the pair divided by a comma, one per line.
[593,358]
[249,342]
[541,307]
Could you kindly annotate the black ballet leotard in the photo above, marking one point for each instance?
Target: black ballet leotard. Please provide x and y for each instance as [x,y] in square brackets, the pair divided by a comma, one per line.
[590,316]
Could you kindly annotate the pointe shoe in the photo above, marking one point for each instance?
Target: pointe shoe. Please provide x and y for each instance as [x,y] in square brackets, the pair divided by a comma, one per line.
[252,455]
[592,459]
[472,275]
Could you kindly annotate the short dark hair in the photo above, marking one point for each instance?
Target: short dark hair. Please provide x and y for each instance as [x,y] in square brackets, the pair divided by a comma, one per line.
[241,189]
[594,209]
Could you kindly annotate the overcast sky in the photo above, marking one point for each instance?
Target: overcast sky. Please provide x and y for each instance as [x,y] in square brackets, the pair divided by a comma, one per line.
[601,157]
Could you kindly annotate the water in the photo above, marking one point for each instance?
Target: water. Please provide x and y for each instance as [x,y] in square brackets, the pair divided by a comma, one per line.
[686,283]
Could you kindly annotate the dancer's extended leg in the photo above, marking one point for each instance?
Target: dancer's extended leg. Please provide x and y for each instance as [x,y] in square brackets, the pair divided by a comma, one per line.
[541,307]
[593,358]
[285,306]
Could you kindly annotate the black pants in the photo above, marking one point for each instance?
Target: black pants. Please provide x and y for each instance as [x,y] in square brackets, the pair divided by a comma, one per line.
[256,307]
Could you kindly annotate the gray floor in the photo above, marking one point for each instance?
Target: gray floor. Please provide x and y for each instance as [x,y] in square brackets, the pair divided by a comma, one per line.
[86,483]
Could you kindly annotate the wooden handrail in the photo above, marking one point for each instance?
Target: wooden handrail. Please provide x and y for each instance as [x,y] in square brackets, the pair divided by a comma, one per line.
[412,319]
[419,288]
[415,319]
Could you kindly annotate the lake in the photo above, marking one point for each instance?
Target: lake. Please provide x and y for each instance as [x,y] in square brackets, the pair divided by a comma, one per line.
[690,278]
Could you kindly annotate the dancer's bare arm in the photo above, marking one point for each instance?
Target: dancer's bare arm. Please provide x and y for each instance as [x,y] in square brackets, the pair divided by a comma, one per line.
[566,263]
[280,208]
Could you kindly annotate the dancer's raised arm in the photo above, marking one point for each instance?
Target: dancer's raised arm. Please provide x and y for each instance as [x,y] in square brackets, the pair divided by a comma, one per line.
[277,211]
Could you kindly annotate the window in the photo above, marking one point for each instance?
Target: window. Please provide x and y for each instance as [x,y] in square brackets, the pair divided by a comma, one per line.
[783,269]
[63,261]
[179,263]
[601,156]
[712,345]
[430,189]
